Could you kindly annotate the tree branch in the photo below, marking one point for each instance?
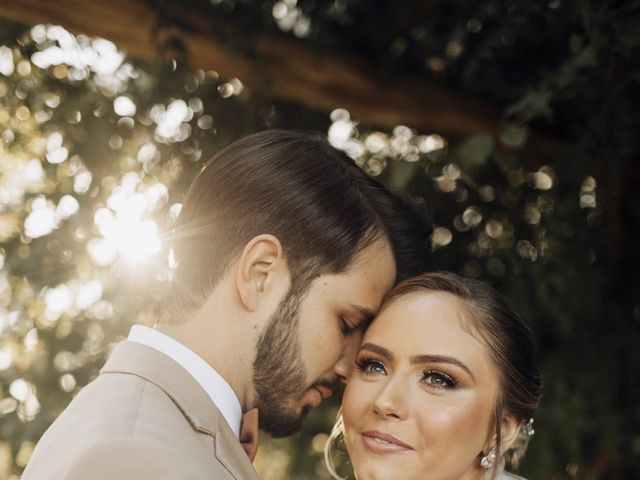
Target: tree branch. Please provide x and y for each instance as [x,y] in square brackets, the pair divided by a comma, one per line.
[286,69]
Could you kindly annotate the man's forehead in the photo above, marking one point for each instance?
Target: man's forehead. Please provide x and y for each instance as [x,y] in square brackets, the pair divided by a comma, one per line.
[377,257]
[373,250]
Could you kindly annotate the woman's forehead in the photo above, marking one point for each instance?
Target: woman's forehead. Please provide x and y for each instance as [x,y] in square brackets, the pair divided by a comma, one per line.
[422,322]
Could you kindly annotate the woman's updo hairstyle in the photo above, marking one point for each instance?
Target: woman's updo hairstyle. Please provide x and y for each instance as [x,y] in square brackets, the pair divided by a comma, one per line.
[512,349]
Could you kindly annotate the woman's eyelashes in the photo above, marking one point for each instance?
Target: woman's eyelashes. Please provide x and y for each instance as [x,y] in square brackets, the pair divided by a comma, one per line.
[438,379]
[432,378]
[371,366]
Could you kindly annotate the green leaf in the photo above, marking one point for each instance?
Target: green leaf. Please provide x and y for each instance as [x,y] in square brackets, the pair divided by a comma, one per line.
[475,151]
[514,136]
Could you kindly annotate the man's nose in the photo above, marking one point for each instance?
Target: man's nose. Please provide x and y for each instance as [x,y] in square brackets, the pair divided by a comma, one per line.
[344,366]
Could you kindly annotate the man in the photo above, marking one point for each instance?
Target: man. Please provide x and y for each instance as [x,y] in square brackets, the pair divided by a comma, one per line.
[284,250]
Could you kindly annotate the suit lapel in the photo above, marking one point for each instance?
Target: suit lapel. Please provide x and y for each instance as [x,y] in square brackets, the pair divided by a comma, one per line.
[156,367]
[136,359]
[230,453]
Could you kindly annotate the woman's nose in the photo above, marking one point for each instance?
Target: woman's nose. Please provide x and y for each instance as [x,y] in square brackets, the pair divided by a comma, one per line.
[389,402]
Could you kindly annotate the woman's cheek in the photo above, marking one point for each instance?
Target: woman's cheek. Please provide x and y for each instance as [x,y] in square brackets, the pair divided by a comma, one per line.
[450,424]
[357,396]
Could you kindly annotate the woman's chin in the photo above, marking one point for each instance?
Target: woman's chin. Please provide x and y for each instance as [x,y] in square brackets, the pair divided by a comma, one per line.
[379,469]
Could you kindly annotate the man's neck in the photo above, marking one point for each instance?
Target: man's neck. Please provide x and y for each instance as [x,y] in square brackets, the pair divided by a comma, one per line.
[222,347]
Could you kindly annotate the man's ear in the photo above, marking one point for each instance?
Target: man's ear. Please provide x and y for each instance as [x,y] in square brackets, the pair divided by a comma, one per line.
[260,261]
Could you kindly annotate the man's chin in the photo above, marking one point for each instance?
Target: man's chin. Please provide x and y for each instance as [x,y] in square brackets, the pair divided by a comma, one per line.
[280,426]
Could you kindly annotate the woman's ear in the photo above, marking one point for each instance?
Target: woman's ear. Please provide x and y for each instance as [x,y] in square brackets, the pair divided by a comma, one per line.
[258,265]
[509,429]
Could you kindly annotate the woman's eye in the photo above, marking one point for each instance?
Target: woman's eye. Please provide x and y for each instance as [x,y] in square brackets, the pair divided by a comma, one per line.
[371,367]
[438,379]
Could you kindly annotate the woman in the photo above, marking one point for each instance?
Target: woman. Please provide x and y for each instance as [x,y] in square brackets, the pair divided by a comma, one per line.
[445,385]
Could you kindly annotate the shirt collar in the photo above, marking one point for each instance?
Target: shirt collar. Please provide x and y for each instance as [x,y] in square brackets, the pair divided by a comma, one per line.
[220,392]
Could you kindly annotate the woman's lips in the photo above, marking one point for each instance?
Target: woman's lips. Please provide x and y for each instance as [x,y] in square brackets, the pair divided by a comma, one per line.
[383,443]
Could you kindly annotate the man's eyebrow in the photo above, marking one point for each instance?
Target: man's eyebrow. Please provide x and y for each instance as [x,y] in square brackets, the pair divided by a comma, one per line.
[440,359]
[366,313]
[372,347]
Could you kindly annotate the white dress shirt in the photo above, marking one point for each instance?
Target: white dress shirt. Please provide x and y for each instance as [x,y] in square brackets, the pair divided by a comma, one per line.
[221,393]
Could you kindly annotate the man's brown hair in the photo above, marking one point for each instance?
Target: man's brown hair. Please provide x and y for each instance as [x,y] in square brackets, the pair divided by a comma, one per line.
[321,206]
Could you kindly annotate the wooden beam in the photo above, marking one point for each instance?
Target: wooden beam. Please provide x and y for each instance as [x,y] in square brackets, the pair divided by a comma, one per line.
[284,68]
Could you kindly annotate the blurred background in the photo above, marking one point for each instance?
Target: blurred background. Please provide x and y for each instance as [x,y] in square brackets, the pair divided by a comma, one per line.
[516,124]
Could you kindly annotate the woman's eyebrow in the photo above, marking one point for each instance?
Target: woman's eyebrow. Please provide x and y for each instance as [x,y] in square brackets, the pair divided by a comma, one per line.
[440,359]
[372,347]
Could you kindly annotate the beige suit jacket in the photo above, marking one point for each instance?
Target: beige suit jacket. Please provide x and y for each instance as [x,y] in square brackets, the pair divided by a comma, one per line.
[144,417]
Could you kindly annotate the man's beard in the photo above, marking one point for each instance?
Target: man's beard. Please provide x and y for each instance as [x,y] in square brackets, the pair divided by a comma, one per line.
[278,371]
